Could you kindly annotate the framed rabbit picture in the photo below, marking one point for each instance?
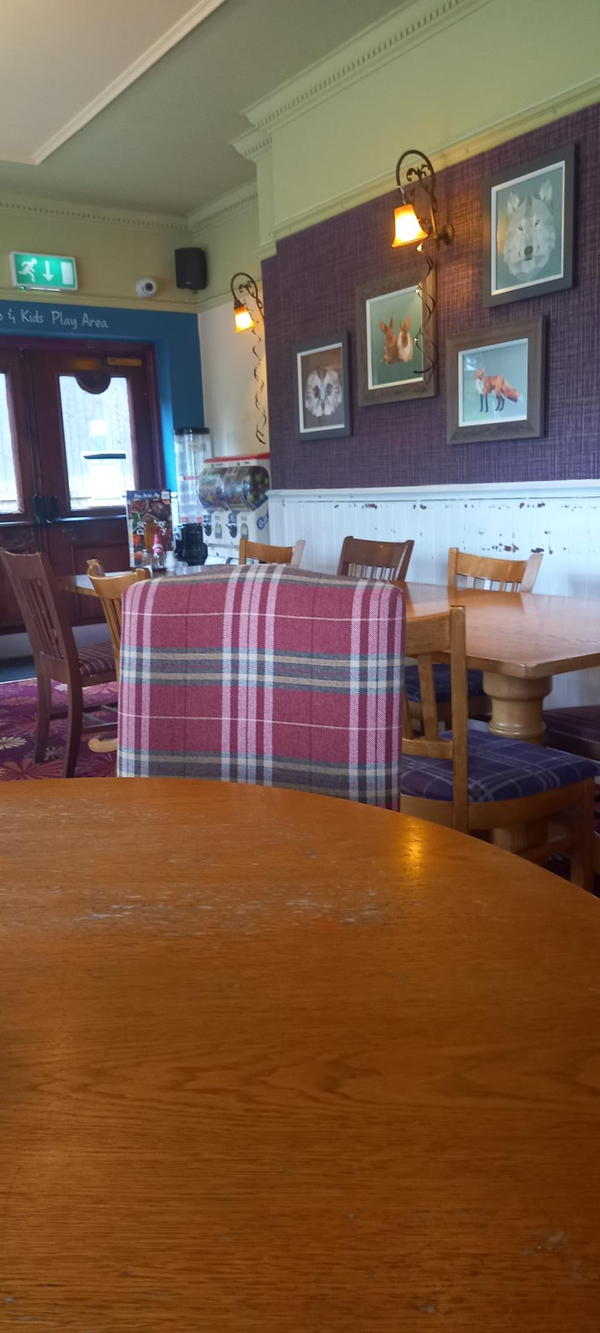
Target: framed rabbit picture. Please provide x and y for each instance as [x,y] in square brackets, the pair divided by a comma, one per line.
[396,338]
[322,389]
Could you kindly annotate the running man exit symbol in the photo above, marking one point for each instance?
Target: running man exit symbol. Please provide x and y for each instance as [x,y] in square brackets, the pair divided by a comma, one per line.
[43,273]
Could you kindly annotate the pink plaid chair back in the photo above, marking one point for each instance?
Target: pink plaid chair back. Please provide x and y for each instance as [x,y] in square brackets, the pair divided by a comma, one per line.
[267,675]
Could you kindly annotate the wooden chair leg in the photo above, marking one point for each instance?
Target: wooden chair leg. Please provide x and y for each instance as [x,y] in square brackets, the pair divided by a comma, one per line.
[44,691]
[582,853]
[74,732]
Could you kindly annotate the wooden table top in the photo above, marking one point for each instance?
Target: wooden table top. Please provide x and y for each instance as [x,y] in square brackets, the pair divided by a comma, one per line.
[275,1063]
[518,634]
[515,634]
[82,584]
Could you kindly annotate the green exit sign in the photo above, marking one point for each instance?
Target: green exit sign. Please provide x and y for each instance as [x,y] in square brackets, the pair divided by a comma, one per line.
[43,273]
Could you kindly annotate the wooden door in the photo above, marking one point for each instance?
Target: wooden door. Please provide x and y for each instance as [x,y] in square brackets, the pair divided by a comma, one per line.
[86,424]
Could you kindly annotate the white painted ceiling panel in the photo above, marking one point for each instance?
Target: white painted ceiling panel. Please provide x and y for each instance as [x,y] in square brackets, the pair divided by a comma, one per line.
[63,61]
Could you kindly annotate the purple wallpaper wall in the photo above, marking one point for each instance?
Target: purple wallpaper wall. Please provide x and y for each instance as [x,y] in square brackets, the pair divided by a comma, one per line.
[309,289]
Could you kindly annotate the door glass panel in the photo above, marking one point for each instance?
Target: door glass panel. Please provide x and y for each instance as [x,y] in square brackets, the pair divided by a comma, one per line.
[98,435]
[9,486]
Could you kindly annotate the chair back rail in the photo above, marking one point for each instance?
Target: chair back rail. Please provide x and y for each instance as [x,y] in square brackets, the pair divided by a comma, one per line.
[42,608]
[426,639]
[110,590]
[271,555]
[509,575]
[385,561]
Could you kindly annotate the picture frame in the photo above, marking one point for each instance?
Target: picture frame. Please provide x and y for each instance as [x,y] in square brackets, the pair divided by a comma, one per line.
[395,342]
[528,228]
[322,396]
[495,383]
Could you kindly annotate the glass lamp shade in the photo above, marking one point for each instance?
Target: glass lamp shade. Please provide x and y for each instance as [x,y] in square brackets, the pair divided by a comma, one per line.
[243,319]
[407,228]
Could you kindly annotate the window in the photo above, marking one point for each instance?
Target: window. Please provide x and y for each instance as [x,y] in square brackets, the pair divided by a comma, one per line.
[98,437]
[10,500]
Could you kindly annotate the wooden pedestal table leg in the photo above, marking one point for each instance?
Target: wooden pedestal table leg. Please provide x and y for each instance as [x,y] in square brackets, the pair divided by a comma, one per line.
[517,704]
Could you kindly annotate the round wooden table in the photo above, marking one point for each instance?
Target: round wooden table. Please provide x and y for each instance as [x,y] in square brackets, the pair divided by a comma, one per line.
[282,1064]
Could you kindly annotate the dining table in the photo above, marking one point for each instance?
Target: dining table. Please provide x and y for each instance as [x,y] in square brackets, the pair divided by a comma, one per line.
[518,640]
[278,1063]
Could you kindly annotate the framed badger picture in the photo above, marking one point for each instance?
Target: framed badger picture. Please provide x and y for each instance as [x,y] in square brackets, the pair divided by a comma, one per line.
[322,389]
[528,228]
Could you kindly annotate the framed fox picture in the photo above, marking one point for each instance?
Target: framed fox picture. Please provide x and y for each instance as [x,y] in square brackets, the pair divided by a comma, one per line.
[528,228]
[495,383]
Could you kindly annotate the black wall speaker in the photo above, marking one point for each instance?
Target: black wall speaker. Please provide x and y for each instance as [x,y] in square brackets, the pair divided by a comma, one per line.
[190,268]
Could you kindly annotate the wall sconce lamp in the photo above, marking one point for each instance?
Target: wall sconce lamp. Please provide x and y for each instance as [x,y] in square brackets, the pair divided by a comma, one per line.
[248,313]
[244,286]
[408,229]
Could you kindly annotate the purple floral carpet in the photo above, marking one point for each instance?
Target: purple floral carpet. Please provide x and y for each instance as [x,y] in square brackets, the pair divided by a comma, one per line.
[18,718]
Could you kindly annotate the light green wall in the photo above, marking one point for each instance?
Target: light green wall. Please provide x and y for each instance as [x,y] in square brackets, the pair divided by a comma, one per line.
[110,257]
[113,255]
[231,242]
[498,69]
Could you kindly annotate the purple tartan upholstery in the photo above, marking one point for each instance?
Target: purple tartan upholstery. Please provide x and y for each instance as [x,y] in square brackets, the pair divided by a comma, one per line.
[97,659]
[441,680]
[499,770]
[268,675]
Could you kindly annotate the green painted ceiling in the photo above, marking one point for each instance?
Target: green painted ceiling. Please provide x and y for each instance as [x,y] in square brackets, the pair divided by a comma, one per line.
[163,144]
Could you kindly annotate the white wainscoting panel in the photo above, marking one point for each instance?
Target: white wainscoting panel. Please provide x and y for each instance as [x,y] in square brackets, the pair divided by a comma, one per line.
[560,518]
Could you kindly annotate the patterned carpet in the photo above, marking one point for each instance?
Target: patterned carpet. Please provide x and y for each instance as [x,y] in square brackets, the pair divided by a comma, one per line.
[18,716]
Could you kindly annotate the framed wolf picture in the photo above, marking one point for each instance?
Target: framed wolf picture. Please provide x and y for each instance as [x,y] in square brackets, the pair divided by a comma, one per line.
[528,228]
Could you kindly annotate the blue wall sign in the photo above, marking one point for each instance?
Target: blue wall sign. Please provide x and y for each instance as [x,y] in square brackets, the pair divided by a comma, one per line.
[173,335]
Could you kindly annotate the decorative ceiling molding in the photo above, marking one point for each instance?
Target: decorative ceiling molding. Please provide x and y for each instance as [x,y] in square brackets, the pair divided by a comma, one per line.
[376,46]
[52,208]
[225,207]
[166,42]
[253,144]
[565,104]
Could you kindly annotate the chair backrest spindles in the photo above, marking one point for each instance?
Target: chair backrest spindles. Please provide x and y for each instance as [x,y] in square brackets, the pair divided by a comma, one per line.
[385,561]
[41,606]
[490,574]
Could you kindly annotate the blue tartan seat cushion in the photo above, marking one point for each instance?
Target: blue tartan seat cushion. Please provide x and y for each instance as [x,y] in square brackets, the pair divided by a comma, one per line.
[441,680]
[499,770]
[97,659]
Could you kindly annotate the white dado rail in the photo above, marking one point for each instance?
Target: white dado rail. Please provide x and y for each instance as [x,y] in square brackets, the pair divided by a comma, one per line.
[561,518]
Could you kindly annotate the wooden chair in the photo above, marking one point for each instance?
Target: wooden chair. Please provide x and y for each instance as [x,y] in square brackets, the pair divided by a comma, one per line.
[479,783]
[386,561]
[476,570]
[110,591]
[471,571]
[271,555]
[55,653]
[96,568]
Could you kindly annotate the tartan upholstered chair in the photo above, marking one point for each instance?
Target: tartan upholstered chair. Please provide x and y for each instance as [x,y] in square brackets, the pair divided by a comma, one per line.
[267,675]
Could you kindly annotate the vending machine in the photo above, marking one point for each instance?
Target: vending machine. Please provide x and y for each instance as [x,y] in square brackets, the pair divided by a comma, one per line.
[234,504]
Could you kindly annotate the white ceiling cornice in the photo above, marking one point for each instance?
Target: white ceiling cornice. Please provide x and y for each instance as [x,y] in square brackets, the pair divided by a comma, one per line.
[414,23]
[111,217]
[214,213]
[253,144]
